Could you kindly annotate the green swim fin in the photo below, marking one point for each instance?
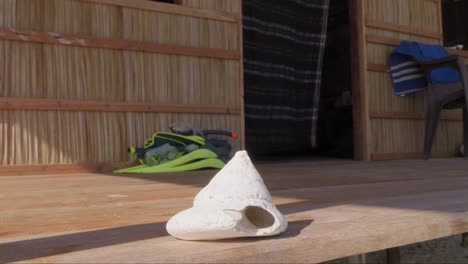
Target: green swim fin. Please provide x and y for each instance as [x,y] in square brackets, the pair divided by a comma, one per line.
[197,159]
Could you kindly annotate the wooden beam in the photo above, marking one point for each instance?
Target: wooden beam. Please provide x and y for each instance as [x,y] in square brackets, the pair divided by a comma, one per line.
[382,40]
[377,67]
[415,116]
[168,9]
[408,155]
[463,53]
[395,42]
[181,2]
[402,29]
[241,79]
[464,238]
[108,43]
[440,18]
[357,259]
[359,80]
[25,170]
[27,104]
[393,255]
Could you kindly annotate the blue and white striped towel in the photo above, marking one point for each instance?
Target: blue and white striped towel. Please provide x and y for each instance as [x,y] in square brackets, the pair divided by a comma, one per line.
[408,76]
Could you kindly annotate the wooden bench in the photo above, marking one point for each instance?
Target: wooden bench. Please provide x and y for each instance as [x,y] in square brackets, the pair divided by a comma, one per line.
[334,208]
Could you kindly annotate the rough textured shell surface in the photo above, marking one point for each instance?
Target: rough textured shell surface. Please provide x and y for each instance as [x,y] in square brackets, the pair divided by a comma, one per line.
[236,203]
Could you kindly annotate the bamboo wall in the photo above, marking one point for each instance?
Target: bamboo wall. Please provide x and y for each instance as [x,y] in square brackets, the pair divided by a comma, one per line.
[80,80]
[394,126]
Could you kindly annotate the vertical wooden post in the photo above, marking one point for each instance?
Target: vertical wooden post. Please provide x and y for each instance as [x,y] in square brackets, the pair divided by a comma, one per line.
[181,2]
[441,19]
[358,259]
[359,79]
[464,240]
[241,78]
[393,255]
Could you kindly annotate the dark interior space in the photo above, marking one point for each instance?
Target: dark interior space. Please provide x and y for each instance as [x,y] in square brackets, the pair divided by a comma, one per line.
[295,124]
[455,23]
[335,120]
[284,43]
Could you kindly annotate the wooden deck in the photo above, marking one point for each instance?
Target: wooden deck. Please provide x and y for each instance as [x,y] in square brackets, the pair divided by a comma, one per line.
[334,208]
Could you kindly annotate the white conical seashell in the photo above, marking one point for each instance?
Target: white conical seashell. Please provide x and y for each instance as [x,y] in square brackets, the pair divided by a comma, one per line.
[235,203]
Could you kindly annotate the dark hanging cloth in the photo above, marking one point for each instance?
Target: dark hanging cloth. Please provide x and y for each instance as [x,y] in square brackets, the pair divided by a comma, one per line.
[284,43]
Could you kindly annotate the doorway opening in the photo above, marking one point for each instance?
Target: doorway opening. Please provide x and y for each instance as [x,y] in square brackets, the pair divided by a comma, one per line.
[455,23]
[335,118]
[297,79]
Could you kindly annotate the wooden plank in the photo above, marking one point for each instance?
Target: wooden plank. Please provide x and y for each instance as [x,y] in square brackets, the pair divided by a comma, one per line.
[168,9]
[402,29]
[377,67]
[358,259]
[464,238]
[24,170]
[107,43]
[18,202]
[395,42]
[393,255]
[440,13]
[29,104]
[415,116]
[382,40]
[324,223]
[241,79]
[463,53]
[359,80]
[409,155]
[181,2]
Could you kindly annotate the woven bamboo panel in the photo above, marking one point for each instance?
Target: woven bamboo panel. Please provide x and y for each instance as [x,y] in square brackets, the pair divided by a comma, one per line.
[8,13]
[382,98]
[378,54]
[230,6]
[29,14]
[420,14]
[27,140]
[60,72]
[89,137]
[185,80]
[401,136]
[106,136]
[76,73]
[83,73]
[179,30]
[74,17]
[406,136]
[22,70]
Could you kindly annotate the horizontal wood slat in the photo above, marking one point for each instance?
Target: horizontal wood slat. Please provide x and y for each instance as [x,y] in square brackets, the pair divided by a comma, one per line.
[402,29]
[107,43]
[382,40]
[168,9]
[27,104]
[24,170]
[415,116]
[394,42]
[377,67]
[409,155]
[463,53]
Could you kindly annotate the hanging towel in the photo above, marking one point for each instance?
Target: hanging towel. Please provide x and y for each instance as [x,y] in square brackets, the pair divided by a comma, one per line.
[407,74]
